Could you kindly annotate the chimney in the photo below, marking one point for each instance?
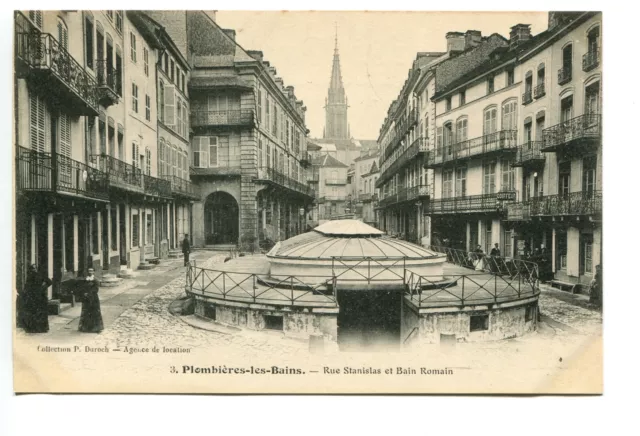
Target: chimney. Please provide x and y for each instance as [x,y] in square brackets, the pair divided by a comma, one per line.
[230,33]
[455,42]
[519,34]
[272,71]
[256,54]
[557,18]
[291,94]
[472,38]
[280,83]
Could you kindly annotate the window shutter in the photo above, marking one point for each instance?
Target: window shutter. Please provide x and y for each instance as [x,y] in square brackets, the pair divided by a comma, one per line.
[65,135]
[170,106]
[36,17]
[213,151]
[38,117]
[439,139]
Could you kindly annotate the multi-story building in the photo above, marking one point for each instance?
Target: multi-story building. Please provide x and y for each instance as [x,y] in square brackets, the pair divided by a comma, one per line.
[249,142]
[368,196]
[560,155]
[329,178]
[362,166]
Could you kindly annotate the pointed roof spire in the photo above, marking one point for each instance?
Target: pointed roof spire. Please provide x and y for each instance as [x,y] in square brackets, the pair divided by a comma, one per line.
[336,89]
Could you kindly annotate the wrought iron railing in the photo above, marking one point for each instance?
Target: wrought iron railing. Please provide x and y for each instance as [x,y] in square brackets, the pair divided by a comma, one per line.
[518,212]
[367,197]
[590,60]
[41,171]
[273,176]
[243,117]
[527,97]
[528,152]
[504,140]
[335,182]
[406,194]
[41,51]
[181,186]
[392,166]
[156,186]
[119,172]
[574,203]
[471,204]
[107,76]
[579,128]
[564,75]
[539,91]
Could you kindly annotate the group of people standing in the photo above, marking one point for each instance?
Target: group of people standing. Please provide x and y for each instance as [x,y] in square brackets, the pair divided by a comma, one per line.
[32,305]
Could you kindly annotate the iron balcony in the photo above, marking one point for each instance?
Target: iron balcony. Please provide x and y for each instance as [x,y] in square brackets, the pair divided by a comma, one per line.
[574,203]
[498,142]
[182,188]
[222,118]
[39,56]
[529,155]
[539,91]
[305,159]
[420,192]
[578,134]
[518,212]
[109,86]
[52,172]
[527,97]
[156,187]
[564,75]
[590,60]
[418,148]
[277,179]
[485,203]
[121,175]
[368,197]
[335,182]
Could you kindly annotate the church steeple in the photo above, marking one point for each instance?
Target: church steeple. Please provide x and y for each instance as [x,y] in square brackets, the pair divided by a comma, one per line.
[336,126]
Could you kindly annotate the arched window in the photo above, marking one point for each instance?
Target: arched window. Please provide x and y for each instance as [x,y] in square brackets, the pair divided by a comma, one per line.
[161,101]
[490,120]
[509,113]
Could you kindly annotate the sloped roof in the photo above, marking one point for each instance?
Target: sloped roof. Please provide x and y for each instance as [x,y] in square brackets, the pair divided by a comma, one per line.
[373,169]
[327,161]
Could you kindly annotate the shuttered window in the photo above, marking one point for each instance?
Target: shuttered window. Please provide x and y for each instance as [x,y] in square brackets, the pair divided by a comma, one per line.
[36,17]
[170,106]
[148,160]
[63,35]
[213,151]
[64,149]
[39,115]
[135,155]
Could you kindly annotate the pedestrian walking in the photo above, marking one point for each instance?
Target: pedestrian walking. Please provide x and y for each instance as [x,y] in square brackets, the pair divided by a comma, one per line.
[186,249]
[35,304]
[90,316]
[495,251]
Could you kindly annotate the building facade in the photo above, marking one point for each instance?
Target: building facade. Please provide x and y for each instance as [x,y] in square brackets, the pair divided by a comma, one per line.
[249,158]
[330,182]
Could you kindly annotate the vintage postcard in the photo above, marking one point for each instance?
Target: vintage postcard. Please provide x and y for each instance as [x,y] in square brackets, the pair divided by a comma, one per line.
[307,202]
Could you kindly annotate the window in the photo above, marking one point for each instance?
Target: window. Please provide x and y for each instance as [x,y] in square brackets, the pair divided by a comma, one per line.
[447,183]
[147,158]
[63,35]
[567,55]
[132,41]
[95,236]
[135,230]
[134,97]
[114,227]
[487,236]
[259,104]
[489,178]
[111,137]
[566,109]
[36,18]
[145,58]
[586,259]
[593,41]
[161,101]
[169,106]
[88,40]
[182,81]
[507,243]
[463,97]
[461,131]
[448,103]
[110,15]
[592,99]
[178,117]
[528,87]
[589,176]
[461,182]
[527,133]
[541,75]
[508,175]
[561,249]
[147,107]
[135,155]
[102,134]
[119,21]
[213,151]
[267,107]
[490,84]
[510,77]
[274,128]
[478,323]
[490,121]
[39,123]
[539,127]
[564,178]
[172,72]
[120,142]
[509,112]
[149,236]
[118,71]
[185,120]
[161,157]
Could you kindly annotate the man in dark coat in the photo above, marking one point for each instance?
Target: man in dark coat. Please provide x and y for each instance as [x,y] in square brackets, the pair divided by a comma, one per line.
[495,251]
[35,303]
[186,248]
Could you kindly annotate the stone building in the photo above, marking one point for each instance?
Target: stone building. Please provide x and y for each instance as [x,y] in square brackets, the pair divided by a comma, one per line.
[329,180]
[249,157]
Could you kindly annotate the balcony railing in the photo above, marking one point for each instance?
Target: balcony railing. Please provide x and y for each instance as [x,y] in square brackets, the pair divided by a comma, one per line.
[368,197]
[156,186]
[564,75]
[108,83]
[539,91]
[529,153]
[335,182]
[518,212]
[574,203]
[471,204]
[590,60]
[407,194]
[40,171]
[277,178]
[417,147]
[527,97]
[121,174]
[583,128]
[40,53]
[222,118]
[305,159]
[181,187]
[504,140]
[413,118]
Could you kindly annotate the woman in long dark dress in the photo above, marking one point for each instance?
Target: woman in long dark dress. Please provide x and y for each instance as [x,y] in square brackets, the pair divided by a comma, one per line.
[35,304]
[90,316]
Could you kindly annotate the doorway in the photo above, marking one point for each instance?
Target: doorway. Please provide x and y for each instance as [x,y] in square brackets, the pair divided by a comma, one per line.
[105,241]
[369,319]
[123,235]
[221,219]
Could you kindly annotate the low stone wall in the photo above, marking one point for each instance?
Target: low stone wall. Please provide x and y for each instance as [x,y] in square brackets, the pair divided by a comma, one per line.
[491,322]
[297,322]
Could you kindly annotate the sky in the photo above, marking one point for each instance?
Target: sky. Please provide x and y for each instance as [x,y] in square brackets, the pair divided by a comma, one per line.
[376,49]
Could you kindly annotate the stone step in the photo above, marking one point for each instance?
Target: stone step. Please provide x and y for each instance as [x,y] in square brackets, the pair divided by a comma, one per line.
[110,280]
[126,273]
[175,254]
[146,266]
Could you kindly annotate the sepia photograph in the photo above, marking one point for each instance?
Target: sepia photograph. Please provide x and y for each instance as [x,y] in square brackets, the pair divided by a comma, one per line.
[307,202]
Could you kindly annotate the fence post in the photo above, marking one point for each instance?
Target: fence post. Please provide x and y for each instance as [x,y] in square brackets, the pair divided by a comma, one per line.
[291,281]
[224,287]
[463,290]
[254,287]
[495,288]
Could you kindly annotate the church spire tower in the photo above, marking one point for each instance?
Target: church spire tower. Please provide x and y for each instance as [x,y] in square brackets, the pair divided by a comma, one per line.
[336,126]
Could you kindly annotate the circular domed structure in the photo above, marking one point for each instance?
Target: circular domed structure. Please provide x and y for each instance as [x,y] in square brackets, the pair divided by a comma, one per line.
[355,253]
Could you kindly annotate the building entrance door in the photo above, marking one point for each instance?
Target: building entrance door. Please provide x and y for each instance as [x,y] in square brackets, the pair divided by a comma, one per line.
[368,319]
[221,219]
